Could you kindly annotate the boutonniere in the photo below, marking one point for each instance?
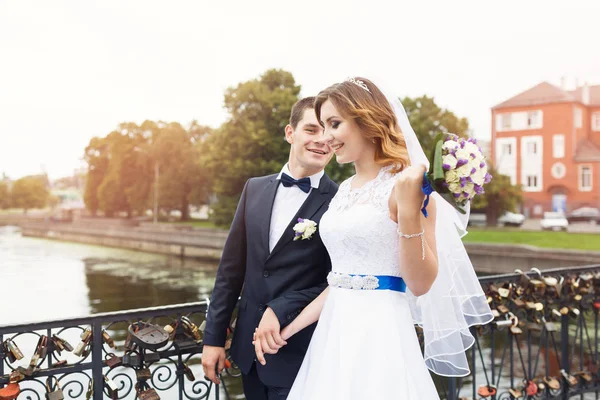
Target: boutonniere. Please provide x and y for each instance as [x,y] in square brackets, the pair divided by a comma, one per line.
[304,229]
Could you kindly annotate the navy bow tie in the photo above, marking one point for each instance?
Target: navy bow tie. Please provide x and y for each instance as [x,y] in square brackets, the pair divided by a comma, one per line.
[303,184]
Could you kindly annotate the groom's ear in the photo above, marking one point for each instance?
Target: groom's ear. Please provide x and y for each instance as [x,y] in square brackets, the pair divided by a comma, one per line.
[289,134]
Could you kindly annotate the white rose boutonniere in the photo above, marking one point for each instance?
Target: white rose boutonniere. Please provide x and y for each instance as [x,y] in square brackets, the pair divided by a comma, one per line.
[304,229]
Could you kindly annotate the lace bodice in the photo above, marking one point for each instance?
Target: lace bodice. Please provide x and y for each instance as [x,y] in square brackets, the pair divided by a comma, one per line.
[357,230]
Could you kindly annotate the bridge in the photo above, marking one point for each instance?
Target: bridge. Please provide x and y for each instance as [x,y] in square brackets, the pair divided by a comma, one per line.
[542,344]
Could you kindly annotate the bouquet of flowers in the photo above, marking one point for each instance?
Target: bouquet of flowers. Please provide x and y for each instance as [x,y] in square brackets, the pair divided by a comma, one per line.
[457,171]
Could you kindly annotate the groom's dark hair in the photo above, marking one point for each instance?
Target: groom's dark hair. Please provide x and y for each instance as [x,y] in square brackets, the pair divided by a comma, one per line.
[299,108]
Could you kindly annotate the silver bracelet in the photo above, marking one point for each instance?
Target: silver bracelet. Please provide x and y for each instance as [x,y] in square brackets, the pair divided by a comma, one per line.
[413,235]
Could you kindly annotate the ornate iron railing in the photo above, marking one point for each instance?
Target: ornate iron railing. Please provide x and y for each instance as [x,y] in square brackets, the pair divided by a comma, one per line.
[543,344]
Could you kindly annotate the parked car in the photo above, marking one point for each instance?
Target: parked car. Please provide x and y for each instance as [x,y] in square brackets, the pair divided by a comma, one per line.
[554,221]
[507,219]
[477,219]
[511,219]
[584,214]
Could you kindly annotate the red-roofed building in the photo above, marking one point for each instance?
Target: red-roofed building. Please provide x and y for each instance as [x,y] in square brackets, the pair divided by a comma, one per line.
[548,140]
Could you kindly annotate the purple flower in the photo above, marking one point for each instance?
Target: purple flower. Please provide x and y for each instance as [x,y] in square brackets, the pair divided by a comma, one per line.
[465,194]
[300,220]
[473,156]
[463,182]
[482,164]
[446,167]
[462,144]
[479,189]
[445,184]
[456,195]
[469,179]
[473,170]
[461,162]
[488,178]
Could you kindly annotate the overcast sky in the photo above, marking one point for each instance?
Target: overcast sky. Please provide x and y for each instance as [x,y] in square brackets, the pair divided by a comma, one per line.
[71,70]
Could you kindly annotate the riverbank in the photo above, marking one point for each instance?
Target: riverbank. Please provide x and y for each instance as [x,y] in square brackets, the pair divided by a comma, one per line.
[207,244]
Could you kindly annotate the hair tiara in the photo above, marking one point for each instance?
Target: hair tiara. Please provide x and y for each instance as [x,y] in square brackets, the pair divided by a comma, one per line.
[359,83]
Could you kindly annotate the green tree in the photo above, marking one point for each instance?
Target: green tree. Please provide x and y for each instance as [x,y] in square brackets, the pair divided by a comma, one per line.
[111,192]
[251,142]
[135,164]
[97,157]
[29,192]
[4,196]
[500,196]
[428,120]
[176,154]
[202,182]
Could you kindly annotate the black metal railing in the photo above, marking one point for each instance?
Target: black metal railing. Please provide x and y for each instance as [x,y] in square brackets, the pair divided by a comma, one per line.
[542,344]
[175,369]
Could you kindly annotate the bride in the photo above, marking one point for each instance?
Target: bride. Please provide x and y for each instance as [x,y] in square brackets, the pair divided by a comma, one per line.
[392,267]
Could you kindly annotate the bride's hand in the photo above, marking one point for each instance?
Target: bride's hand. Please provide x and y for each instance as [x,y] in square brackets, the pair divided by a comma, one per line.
[407,191]
[288,332]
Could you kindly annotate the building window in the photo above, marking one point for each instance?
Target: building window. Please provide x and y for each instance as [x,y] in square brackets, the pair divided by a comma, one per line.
[531,181]
[558,146]
[558,170]
[506,149]
[578,118]
[537,209]
[506,121]
[532,148]
[596,121]
[534,119]
[585,178]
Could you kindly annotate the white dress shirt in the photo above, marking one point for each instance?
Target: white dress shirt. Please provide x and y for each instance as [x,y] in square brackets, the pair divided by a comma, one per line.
[288,201]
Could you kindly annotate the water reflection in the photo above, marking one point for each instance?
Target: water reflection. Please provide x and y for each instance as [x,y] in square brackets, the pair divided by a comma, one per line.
[46,279]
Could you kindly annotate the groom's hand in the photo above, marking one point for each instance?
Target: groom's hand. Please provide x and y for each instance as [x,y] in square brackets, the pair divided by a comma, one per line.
[267,338]
[213,357]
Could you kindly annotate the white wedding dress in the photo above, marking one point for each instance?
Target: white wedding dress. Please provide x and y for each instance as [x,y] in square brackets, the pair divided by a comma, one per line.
[365,345]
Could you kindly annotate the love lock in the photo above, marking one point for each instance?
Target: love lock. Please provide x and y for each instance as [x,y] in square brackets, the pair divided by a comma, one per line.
[531,389]
[57,393]
[148,336]
[10,391]
[486,391]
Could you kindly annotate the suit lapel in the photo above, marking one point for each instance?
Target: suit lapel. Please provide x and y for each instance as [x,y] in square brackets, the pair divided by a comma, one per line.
[311,205]
[268,198]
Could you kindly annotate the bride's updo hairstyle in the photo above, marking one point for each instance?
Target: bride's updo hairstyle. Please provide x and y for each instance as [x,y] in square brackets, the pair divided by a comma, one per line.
[360,100]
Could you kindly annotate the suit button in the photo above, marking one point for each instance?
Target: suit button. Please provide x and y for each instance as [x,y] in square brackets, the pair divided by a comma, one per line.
[261,307]
[266,273]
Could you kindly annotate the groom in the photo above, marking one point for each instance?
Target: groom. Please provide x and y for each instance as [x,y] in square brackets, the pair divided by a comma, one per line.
[276,275]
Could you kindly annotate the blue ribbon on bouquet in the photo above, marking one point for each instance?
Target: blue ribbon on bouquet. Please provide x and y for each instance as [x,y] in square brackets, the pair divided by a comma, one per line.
[427,189]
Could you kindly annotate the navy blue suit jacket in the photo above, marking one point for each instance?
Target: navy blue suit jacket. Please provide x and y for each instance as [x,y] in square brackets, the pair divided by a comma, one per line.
[286,279]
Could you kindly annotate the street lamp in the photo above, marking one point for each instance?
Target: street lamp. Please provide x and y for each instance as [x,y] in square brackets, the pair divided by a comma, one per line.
[156,178]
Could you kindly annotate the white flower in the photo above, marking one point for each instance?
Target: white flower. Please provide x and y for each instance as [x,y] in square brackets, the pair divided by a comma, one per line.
[470,189]
[479,176]
[452,176]
[304,229]
[463,154]
[449,160]
[464,171]
[454,187]
[472,148]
